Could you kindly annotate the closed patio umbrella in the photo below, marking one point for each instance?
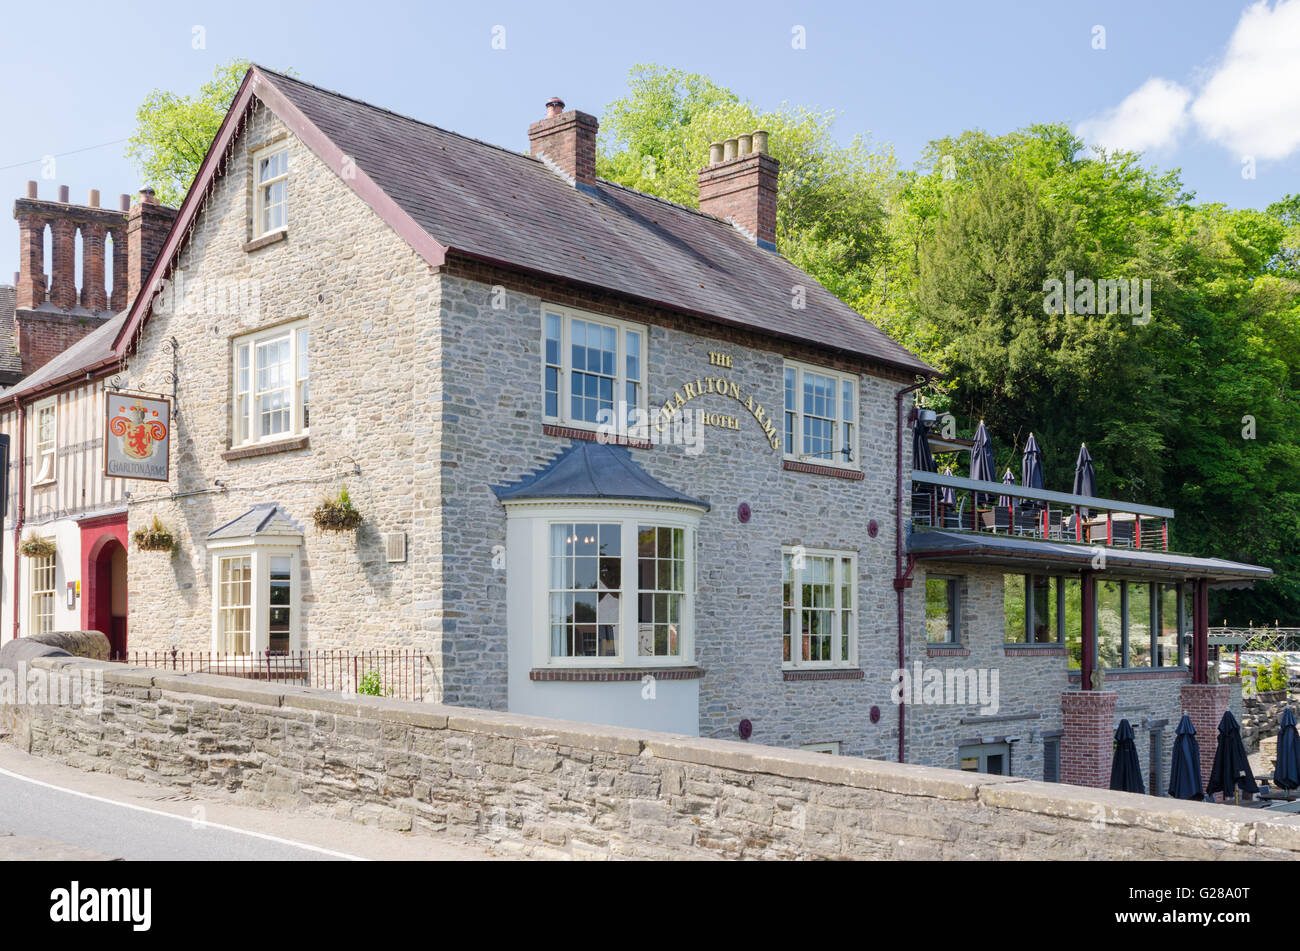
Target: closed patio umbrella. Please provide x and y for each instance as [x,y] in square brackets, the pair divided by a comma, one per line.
[1185,768]
[1008,478]
[1085,478]
[1125,771]
[922,457]
[1287,771]
[981,459]
[1231,769]
[1031,468]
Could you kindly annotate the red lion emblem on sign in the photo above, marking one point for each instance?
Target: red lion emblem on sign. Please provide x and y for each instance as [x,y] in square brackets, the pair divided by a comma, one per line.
[137,432]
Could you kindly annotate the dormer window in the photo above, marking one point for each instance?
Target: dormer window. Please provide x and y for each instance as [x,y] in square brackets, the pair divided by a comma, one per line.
[271,211]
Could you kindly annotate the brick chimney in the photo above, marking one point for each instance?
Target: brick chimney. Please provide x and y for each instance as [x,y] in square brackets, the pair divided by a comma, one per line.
[567,141]
[52,314]
[147,224]
[739,185]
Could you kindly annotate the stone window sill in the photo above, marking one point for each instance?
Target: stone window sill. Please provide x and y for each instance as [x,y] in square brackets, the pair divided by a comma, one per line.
[588,435]
[795,676]
[266,449]
[265,241]
[612,674]
[792,465]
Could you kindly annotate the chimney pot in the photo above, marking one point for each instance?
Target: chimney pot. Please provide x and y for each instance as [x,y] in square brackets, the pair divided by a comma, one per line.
[760,141]
[729,150]
[94,198]
[147,196]
[124,203]
[744,143]
[63,194]
[554,107]
[715,153]
[32,191]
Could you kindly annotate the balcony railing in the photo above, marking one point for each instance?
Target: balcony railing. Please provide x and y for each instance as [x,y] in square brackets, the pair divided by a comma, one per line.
[974,506]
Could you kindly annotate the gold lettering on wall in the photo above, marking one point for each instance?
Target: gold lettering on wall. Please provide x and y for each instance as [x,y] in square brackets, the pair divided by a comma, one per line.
[720,386]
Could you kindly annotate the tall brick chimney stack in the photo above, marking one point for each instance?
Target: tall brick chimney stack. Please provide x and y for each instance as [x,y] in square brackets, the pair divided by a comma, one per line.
[51,314]
[739,184]
[147,224]
[566,140]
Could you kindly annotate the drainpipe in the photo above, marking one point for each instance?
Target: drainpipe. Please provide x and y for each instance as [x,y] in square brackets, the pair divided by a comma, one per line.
[902,576]
[21,495]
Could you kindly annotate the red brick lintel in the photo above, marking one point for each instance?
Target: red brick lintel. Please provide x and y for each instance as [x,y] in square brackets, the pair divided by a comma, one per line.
[612,674]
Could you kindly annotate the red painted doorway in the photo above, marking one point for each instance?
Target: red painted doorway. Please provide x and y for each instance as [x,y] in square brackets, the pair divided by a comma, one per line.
[104,594]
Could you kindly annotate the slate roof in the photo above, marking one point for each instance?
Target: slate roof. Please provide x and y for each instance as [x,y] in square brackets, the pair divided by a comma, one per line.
[592,470]
[91,350]
[505,207]
[11,364]
[265,518]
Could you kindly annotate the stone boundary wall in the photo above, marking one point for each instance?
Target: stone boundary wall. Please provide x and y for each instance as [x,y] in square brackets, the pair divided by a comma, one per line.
[553,789]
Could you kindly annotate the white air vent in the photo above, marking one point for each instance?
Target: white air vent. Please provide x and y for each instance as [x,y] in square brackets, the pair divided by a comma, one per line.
[395,546]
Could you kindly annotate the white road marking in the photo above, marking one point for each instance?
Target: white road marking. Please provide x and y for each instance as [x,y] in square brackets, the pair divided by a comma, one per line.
[186,819]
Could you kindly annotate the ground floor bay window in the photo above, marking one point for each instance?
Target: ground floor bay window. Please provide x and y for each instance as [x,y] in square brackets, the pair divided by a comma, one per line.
[256,592]
[610,585]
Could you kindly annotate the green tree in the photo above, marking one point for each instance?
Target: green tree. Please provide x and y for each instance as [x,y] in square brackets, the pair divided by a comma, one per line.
[173,131]
[831,211]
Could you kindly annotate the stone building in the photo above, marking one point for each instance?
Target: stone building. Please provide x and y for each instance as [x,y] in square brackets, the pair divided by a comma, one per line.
[616,459]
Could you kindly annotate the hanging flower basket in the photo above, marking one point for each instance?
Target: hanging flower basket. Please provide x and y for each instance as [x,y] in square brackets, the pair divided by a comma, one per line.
[154,537]
[337,514]
[34,546]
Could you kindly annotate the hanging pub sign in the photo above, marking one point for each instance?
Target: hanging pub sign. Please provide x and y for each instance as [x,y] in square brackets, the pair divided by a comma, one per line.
[137,437]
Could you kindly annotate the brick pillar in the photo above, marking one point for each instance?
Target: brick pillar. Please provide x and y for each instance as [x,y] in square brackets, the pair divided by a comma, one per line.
[118,301]
[94,296]
[1088,743]
[1205,705]
[31,261]
[63,259]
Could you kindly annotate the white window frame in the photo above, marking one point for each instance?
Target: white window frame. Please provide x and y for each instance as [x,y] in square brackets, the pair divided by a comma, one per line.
[50,564]
[48,449]
[260,550]
[630,516]
[796,662]
[837,458]
[564,409]
[259,187]
[297,386]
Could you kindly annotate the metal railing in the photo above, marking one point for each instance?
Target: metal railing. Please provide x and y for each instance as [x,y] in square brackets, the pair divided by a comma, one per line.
[1271,639]
[393,672]
[959,504]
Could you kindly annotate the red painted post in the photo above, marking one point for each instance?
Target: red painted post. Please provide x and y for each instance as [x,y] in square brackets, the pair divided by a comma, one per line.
[1137,531]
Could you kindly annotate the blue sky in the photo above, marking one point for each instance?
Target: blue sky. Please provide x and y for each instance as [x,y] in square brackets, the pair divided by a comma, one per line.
[1197,84]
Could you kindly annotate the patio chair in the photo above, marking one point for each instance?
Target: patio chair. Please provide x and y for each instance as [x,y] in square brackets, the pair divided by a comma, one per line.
[1028,521]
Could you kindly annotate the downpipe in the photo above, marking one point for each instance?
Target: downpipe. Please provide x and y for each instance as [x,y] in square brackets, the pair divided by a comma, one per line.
[902,566]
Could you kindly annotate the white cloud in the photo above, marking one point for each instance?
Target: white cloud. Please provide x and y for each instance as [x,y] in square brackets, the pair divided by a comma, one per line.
[1150,117]
[1251,103]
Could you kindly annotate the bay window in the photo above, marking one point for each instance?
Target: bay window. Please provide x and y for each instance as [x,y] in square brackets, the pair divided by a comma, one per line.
[821,416]
[819,608]
[605,585]
[271,385]
[593,369]
[255,594]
